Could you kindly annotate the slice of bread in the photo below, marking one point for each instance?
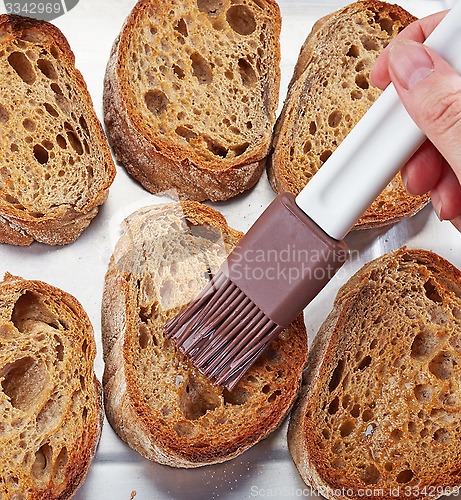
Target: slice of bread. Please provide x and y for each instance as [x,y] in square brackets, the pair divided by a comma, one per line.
[55,162]
[328,94]
[380,405]
[155,399]
[51,403]
[191,93]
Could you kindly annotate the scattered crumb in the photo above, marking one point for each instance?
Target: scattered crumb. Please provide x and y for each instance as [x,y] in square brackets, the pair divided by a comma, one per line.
[133,494]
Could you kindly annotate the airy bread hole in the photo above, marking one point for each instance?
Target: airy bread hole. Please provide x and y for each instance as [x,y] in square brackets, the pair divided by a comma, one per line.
[424,345]
[396,435]
[367,415]
[333,407]
[431,292]
[29,306]
[47,68]
[247,73]
[347,428]
[4,115]
[325,155]
[335,119]
[56,89]
[181,27]
[144,335]
[186,133]
[356,95]
[274,396]
[362,81]
[211,7]
[449,400]
[73,139]
[61,141]
[370,475]
[312,128]
[423,393]
[404,476]
[42,464]
[240,148]
[215,147]
[369,43]
[185,429]
[156,101]
[237,396]
[84,125]
[241,19]
[443,366]
[41,154]
[179,72]
[51,110]
[29,125]
[387,25]
[366,361]
[442,436]
[60,465]
[353,51]
[22,382]
[50,414]
[336,376]
[201,68]
[196,397]
[23,67]
[59,348]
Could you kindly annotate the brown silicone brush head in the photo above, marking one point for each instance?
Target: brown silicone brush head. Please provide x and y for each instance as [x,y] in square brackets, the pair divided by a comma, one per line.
[278,268]
[223,331]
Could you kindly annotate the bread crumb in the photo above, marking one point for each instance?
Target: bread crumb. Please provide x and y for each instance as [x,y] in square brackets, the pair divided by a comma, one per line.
[133,494]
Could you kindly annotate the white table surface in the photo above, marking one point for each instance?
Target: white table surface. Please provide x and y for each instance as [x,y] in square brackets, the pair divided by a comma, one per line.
[266,470]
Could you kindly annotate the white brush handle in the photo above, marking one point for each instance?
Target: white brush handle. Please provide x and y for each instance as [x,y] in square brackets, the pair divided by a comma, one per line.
[375,149]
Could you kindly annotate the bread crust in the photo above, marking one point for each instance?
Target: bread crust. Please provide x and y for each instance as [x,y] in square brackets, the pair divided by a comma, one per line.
[395,429]
[165,161]
[60,222]
[328,94]
[50,396]
[165,409]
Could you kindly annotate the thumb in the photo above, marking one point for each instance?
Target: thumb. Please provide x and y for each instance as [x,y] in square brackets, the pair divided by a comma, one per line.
[430,90]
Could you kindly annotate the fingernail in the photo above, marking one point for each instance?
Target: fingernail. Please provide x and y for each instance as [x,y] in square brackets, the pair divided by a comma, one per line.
[438,210]
[457,222]
[405,183]
[410,62]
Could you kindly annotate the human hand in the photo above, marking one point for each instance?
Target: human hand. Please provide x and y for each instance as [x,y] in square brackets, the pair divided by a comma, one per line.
[430,90]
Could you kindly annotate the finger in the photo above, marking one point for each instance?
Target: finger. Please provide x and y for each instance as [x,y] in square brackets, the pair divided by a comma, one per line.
[417,31]
[423,170]
[430,90]
[446,195]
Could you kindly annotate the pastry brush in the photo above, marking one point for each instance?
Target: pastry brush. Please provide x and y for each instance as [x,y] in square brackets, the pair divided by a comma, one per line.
[295,247]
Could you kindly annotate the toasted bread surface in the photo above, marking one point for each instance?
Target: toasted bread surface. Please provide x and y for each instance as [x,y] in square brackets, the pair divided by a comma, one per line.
[51,402]
[329,92]
[380,405]
[155,399]
[55,162]
[191,92]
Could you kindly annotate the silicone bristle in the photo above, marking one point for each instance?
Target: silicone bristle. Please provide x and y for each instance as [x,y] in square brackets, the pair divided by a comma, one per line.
[222,331]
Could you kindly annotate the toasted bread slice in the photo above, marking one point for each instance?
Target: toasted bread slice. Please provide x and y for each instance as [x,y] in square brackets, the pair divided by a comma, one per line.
[380,405]
[154,398]
[328,94]
[191,93]
[55,162]
[51,403]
